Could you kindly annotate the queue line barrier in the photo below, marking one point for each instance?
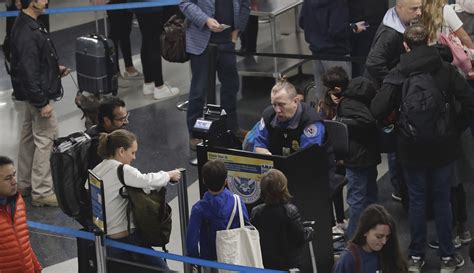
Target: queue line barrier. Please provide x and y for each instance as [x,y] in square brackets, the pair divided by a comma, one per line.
[146,251]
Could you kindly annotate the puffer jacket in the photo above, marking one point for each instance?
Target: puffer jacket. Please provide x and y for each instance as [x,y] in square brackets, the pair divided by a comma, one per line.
[16,254]
[282,235]
[354,110]
[34,65]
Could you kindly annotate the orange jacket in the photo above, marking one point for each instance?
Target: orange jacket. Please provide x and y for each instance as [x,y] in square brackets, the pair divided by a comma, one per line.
[16,255]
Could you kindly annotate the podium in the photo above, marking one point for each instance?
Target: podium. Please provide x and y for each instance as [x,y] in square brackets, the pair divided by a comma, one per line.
[308,183]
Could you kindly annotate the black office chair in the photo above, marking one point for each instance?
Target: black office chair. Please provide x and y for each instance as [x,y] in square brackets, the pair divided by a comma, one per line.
[338,140]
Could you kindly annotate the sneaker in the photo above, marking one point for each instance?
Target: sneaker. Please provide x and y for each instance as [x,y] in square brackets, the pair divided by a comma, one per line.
[465,237]
[336,230]
[343,225]
[165,92]
[148,88]
[193,142]
[435,243]
[48,201]
[450,264]
[396,196]
[133,75]
[415,264]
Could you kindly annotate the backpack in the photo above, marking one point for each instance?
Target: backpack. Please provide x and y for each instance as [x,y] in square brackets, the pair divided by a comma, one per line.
[69,164]
[151,214]
[425,112]
[173,40]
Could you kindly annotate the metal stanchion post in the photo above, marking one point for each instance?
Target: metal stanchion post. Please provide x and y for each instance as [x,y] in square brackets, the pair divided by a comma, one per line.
[211,81]
[100,252]
[183,213]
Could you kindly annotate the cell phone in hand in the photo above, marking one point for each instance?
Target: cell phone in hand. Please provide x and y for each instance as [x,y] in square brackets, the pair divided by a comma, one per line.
[224,26]
[366,24]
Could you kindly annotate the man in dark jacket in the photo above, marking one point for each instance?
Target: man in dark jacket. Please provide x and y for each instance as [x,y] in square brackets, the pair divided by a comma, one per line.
[388,42]
[353,99]
[36,79]
[430,162]
[328,31]
[112,115]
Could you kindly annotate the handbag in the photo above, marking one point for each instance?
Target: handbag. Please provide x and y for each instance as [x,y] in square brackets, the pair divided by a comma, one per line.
[173,40]
[461,57]
[239,246]
[151,214]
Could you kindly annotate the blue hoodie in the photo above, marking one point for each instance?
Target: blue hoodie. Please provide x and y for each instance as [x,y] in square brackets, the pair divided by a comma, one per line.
[209,215]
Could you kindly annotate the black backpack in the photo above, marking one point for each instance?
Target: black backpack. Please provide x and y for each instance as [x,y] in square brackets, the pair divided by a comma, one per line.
[151,213]
[425,114]
[69,163]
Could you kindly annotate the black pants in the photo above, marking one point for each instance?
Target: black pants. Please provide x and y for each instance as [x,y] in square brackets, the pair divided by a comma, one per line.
[249,36]
[151,26]
[120,22]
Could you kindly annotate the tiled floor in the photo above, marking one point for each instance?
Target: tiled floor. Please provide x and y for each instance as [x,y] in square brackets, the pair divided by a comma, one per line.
[161,129]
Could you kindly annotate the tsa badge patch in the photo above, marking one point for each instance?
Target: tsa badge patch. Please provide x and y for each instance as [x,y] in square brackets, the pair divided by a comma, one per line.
[311,131]
[247,189]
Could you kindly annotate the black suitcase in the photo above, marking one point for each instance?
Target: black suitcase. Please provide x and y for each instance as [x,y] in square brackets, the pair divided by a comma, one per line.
[95,65]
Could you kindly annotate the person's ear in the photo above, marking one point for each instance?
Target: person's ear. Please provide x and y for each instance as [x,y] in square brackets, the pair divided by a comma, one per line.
[407,48]
[107,121]
[121,151]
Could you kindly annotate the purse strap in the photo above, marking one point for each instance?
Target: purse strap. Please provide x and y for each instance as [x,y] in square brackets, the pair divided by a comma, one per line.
[123,195]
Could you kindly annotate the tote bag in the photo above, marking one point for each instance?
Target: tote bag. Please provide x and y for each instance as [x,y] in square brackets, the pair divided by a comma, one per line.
[239,246]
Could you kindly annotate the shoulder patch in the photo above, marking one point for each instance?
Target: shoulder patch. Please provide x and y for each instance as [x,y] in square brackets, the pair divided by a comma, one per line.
[311,130]
[262,125]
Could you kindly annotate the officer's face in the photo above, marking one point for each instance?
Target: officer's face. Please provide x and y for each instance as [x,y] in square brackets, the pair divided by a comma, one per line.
[284,106]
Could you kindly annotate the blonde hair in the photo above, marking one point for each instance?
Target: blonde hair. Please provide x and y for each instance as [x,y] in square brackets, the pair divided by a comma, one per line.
[432,17]
[109,143]
[284,84]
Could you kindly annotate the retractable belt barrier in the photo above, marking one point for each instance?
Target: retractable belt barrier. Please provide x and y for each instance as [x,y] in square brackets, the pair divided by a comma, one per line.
[92,8]
[146,251]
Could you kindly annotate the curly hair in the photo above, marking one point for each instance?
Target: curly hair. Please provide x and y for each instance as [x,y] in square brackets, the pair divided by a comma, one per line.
[432,17]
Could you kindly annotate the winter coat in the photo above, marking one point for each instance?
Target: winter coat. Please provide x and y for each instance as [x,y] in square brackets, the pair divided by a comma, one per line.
[354,110]
[16,254]
[282,235]
[427,60]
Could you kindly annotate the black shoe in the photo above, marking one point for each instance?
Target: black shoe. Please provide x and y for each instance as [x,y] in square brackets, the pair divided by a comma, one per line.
[450,264]
[396,196]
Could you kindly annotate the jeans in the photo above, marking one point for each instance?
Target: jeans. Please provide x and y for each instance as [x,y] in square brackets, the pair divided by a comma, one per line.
[361,192]
[135,239]
[227,73]
[439,183]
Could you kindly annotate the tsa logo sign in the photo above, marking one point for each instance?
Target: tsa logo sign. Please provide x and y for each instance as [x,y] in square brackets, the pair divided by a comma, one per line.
[247,189]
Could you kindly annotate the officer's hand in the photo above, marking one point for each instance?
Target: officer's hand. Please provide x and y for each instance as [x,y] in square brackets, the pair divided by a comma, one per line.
[46,111]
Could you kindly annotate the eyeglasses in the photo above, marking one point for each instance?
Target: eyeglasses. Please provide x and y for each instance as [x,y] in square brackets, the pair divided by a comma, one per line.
[123,119]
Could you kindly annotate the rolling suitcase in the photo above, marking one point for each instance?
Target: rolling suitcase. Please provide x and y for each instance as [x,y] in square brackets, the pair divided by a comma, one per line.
[95,65]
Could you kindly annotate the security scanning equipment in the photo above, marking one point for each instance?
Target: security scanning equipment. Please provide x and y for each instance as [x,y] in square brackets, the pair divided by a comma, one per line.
[211,126]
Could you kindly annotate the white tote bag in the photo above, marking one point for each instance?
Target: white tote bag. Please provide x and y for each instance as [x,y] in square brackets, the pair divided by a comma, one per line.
[240,246]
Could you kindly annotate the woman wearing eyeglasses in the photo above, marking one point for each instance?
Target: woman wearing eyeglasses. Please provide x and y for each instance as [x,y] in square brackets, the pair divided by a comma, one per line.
[353,108]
